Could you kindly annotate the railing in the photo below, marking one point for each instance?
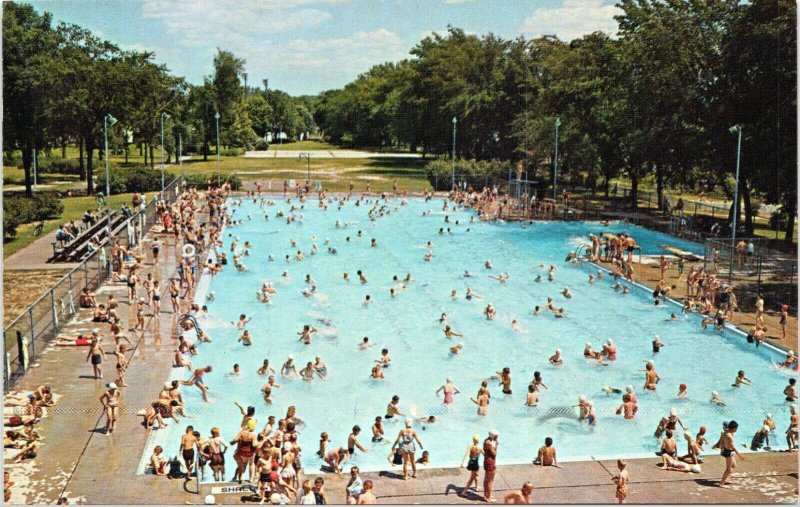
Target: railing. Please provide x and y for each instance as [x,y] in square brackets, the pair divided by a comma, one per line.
[30,332]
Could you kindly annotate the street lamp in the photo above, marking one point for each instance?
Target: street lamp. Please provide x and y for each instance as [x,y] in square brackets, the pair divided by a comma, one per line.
[164,116]
[736,129]
[216,121]
[108,121]
[453,178]
[555,166]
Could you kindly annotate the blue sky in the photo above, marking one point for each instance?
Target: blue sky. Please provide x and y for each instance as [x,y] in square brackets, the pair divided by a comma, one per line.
[307,46]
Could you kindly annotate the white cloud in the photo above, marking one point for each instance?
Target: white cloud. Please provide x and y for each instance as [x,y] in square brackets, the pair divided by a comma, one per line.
[196,22]
[574,19]
[355,53]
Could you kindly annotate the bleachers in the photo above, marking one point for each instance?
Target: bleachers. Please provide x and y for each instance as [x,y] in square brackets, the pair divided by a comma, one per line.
[77,248]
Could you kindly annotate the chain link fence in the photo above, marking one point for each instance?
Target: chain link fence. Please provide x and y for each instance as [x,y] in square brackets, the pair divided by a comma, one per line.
[753,268]
[28,334]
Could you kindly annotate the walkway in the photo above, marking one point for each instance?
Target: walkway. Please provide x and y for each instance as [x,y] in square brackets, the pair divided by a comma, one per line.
[35,255]
[349,154]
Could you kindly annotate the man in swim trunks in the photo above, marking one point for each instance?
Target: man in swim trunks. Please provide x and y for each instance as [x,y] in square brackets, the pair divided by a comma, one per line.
[188,444]
[520,496]
[547,455]
[197,380]
[96,354]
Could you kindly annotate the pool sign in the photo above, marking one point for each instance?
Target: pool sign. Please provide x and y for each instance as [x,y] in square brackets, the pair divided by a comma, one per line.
[225,490]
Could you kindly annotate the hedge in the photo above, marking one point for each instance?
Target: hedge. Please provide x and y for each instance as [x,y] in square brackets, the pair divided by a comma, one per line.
[132,179]
[476,173]
[18,210]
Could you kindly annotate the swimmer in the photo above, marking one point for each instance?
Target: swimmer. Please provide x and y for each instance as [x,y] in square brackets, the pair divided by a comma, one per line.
[556,359]
[651,376]
[306,334]
[741,380]
[309,371]
[537,381]
[488,264]
[538,279]
[246,338]
[365,344]
[289,369]
[361,276]
[566,293]
[537,311]
[588,353]
[657,344]
[611,390]
[682,391]
[346,276]
[449,390]
[265,368]
[367,300]
[443,318]
[502,278]
[377,372]
[490,312]
[716,399]
[384,359]
[532,397]
[449,333]
[320,367]
[456,349]
[471,294]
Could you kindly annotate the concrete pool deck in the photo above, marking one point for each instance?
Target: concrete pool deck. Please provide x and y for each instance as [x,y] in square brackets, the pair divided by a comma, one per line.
[76,458]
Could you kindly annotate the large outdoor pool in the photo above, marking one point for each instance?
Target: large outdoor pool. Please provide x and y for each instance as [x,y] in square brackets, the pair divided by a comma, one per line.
[408,326]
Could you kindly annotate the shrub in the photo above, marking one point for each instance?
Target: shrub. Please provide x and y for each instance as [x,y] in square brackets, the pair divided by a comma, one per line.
[261,145]
[59,166]
[18,210]
[201,180]
[232,152]
[477,173]
[133,179]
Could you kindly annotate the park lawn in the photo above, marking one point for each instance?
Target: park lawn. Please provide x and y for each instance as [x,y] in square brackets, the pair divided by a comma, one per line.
[303,145]
[74,208]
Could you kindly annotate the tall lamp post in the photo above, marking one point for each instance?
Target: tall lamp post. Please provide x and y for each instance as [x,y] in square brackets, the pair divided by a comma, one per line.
[736,129]
[555,163]
[108,121]
[164,116]
[453,178]
[216,121]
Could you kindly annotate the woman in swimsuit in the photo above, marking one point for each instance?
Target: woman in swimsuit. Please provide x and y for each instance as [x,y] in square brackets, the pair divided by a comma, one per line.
[474,452]
[449,390]
[246,442]
[482,401]
[784,317]
[407,435]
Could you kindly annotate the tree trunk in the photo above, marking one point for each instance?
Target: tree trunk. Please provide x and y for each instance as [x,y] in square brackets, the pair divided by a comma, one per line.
[81,164]
[145,153]
[206,149]
[152,163]
[63,148]
[790,211]
[90,166]
[748,211]
[607,184]
[660,186]
[634,192]
[127,149]
[140,149]
[27,162]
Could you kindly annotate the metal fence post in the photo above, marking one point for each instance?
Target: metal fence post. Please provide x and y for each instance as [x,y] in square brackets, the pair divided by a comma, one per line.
[30,320]
[85,274]
[53,306]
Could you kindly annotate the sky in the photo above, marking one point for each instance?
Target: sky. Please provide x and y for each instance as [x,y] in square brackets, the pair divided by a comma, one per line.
[308,46]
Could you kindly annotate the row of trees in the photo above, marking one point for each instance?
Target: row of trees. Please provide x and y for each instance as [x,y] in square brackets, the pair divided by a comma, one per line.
[59,83]
[656,102]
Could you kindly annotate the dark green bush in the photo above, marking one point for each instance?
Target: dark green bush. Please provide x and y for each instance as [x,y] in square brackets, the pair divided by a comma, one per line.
[18,210]
[133,179]
[201,180]
[261,145]
[232,152]
[59,166]
[477,173]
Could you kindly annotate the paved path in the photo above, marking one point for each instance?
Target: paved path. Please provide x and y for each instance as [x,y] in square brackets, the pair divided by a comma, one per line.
[35,255]
[328,154]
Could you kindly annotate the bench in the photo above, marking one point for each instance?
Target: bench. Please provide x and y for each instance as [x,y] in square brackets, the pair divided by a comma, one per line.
[62,251]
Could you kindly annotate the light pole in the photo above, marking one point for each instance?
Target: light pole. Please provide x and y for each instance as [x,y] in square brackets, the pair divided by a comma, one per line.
[108,120]
[180,149]
[35,168]
[164,116]
[736,129]
[555,164]
[216,121]
[453,177]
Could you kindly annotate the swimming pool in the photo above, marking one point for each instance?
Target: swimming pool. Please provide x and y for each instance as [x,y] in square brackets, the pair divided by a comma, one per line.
[408,326]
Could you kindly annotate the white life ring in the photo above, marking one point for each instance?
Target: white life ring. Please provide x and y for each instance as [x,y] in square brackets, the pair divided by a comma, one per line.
[188,251]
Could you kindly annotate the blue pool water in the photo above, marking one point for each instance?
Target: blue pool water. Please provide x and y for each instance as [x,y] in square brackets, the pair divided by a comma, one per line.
[408,326]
